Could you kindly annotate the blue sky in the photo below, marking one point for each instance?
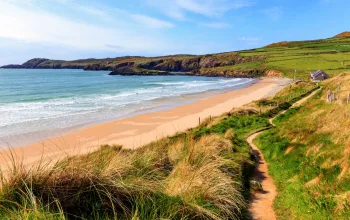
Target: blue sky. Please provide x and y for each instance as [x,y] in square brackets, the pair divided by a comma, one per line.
[72,29]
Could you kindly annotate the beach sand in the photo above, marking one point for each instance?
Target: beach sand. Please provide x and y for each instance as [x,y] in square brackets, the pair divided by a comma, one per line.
[139,130]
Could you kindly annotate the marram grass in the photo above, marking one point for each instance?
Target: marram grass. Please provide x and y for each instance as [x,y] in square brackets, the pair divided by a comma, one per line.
[177,178]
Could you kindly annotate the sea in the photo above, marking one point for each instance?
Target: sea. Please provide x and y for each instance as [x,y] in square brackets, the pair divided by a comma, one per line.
[36,104]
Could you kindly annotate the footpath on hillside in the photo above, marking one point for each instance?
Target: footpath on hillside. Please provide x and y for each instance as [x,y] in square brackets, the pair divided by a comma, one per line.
[261,202]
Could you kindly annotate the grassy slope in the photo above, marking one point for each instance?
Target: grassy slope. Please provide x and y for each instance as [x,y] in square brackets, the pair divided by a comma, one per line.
[202,173]
[308,155]
[331,55]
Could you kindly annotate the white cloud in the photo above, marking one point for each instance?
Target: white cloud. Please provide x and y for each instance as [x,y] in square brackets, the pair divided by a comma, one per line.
[169,8]
[35,25]
[211,8]
[105,15]
[274,13]
[216,25]
[150,21]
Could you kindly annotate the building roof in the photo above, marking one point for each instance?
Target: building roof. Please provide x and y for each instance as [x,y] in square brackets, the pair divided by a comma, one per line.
[318,73]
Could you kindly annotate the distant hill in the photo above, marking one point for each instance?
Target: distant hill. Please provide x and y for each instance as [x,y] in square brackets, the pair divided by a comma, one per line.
[287,43]
[342,35]
[278,44]
[331,55]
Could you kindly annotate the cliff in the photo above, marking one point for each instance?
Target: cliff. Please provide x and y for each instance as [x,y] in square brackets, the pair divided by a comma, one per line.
[146,65]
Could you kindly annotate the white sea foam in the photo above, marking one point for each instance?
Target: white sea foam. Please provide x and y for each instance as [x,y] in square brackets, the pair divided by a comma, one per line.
[40,110]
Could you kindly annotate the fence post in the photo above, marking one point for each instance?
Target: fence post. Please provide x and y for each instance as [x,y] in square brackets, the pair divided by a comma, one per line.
[329,96]
[199,121]
[347,101]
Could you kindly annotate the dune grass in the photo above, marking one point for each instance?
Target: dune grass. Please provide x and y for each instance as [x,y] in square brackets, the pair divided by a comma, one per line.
[180,177]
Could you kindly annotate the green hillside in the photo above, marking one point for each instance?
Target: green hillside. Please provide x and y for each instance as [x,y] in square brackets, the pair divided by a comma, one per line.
[331,55]
[309,155]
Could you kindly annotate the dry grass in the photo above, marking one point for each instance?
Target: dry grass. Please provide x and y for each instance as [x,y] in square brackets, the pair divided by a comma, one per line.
[178,177]
[198,176]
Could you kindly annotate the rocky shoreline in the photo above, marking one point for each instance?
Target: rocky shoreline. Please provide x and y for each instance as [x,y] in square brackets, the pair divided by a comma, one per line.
[205,65]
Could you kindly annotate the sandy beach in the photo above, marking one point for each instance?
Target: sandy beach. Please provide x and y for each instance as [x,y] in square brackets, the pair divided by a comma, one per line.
[139,130]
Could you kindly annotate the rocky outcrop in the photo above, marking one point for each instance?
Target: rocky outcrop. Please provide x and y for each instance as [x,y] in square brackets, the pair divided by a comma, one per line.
[190,64]
[273,73]
[194,65]
[127,71]
[150,65]
[97,67]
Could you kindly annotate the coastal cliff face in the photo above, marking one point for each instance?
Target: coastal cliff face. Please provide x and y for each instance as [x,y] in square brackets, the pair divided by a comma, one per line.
[188,64]
[233,73]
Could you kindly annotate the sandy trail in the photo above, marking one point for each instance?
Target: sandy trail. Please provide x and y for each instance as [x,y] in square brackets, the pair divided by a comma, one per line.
[261,203]
[142,129]
[261,206]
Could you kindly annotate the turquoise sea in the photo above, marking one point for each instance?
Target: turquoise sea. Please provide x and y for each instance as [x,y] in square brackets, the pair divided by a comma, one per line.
[38,103]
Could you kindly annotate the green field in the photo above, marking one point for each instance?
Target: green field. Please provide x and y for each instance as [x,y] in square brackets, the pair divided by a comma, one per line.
[331,55]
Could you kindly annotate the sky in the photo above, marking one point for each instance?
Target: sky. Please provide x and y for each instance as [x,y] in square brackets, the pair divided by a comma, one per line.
[75,29]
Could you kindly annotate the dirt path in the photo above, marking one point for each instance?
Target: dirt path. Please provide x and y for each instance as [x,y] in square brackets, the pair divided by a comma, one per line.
[296,104]
[261,203]
[303,100]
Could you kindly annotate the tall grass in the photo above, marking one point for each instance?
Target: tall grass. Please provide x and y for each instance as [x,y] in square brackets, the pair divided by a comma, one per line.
[179,177]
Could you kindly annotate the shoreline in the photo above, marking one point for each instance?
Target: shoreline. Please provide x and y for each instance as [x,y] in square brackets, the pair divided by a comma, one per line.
[159,104]
[135,131]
